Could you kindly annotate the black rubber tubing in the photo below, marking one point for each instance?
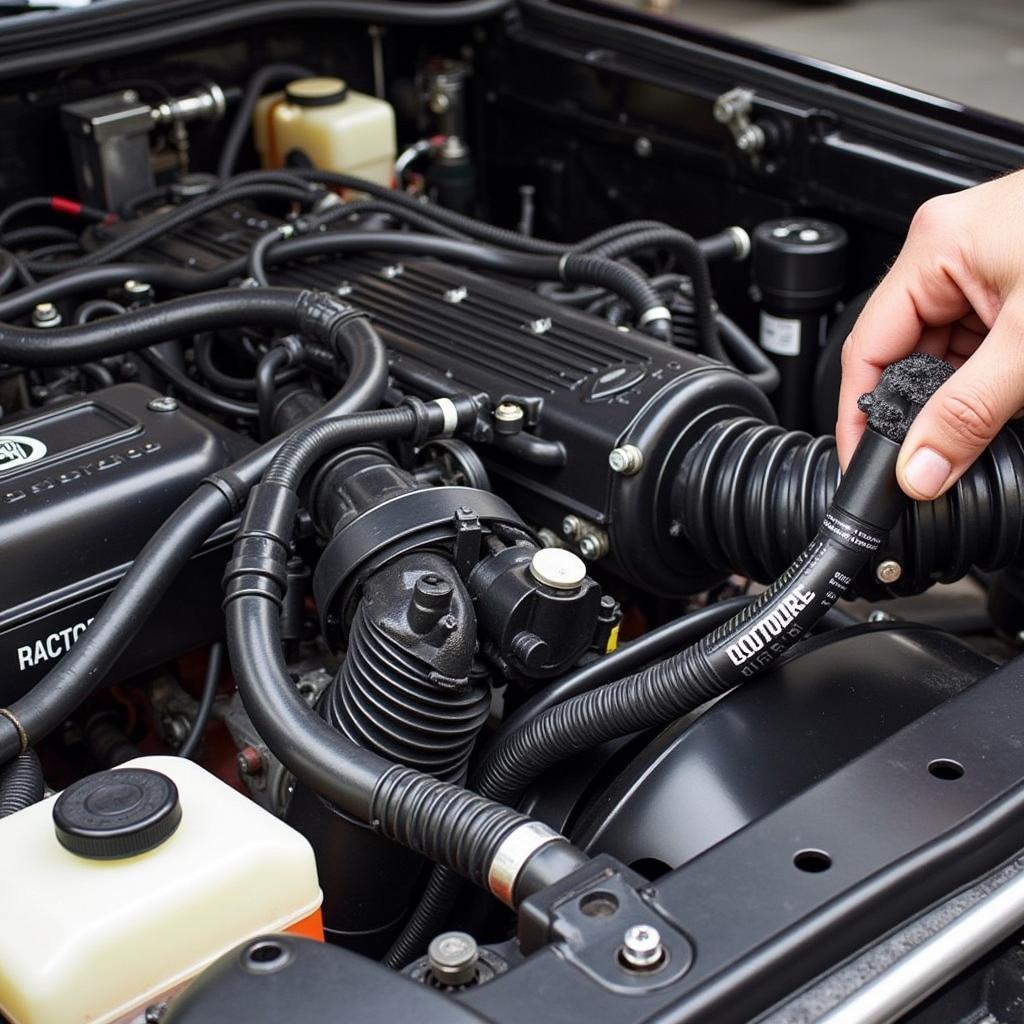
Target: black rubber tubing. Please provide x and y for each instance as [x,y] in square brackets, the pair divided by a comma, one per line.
[314,316]
[211,678]
[867,504]
[199,395]
[21,783]
[442,821]
[570,267]
[692,263]
[267,76]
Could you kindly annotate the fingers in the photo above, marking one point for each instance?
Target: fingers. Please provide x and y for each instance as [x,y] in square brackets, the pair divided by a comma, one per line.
[967,412]
[922,290]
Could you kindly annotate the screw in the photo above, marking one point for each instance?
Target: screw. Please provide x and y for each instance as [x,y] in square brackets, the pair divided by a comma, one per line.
[642,949]
[572,526]
[642,147]
[593,546]
[724,110]
[393,271]
[249,761]
[627,459]
[162,404]
[889,571]
[540,326]
[453,958]
[46,314]
[456,295]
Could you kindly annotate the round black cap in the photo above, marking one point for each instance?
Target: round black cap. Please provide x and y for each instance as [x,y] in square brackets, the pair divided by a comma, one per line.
[799,258]
[117,814]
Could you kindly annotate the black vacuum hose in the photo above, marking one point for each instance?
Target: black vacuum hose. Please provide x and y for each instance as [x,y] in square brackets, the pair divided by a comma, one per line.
[573,268]
[456,828]
[21,783]
[315,316]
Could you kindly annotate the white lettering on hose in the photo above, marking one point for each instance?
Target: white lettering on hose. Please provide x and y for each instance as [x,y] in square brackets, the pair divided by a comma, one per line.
[771,626]
[50,647]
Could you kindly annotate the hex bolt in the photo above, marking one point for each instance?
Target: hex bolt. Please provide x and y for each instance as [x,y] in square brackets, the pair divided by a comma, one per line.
[162,404]
[46,314]
[627,459]
[642,948]
[572,526]
[751,140]
[593,546]
[889,571]
[643,147]
[452,958]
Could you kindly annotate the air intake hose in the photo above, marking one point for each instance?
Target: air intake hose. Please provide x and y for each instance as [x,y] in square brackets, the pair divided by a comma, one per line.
[749,496]
[867,503]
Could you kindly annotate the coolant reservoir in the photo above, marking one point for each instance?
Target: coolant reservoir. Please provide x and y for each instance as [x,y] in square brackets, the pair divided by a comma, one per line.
[130,882]
[320,122]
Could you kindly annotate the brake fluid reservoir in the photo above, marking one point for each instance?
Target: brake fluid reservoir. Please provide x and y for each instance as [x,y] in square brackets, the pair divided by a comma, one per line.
[320,122]
[119,890]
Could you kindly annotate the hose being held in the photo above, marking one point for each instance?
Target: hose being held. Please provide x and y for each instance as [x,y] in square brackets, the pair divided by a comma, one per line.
[866,506]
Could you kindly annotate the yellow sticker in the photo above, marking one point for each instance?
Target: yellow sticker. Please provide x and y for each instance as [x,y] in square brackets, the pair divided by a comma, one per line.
[613,639]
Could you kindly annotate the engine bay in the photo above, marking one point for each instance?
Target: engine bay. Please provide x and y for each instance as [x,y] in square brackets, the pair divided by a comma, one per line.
[430,586]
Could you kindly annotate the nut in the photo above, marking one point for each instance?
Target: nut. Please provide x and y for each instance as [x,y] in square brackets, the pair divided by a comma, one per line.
[572,526]
[162,404]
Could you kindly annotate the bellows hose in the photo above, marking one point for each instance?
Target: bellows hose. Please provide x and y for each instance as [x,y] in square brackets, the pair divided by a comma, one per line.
[749,496]
[486,842]
[866,505]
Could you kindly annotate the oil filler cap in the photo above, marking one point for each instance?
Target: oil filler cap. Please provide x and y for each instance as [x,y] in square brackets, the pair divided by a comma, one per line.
[117,814]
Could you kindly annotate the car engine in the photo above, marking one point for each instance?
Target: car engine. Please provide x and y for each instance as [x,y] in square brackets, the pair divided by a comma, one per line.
[430,585]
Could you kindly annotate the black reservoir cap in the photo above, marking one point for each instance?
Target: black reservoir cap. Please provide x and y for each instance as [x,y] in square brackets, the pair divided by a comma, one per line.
[117,814]
[799,259]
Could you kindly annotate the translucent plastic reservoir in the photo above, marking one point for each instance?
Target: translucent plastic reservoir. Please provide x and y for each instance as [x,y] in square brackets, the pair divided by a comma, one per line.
[320,122]
[96,940]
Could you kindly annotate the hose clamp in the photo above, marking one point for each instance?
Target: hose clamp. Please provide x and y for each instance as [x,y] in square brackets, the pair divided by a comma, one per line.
[19,728]
[512,855]
[450,414]
[654,313]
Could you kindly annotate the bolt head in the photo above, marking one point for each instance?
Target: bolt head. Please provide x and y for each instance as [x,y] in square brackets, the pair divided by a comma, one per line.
[643,147]
[889,571]
[249,761]
[453,958]
[593,547]
[627,459]
[164,403]
[642,948]
[571,526]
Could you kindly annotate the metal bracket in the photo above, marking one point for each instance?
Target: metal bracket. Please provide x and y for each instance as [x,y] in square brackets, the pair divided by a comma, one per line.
[733,109]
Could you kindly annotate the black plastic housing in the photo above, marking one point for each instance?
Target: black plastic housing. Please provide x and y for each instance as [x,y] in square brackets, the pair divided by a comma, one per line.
[72,520]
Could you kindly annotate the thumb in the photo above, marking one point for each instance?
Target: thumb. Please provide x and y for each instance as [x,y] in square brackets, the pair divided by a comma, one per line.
[966,413]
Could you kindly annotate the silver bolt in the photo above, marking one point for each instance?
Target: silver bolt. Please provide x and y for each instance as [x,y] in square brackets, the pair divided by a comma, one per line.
[724,111]
[593,546]
[809,235]
[643,147]
[162,404]
[572,526]
[509,412]
[138,289]
[453,958]
[642,949]
[393,270]
[456,295]
[345,288]
[541,325]
[880,616]
[627,459]
[889,571]
[46,314]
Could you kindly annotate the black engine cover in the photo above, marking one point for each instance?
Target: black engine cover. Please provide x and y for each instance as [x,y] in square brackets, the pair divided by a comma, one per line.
[83,486]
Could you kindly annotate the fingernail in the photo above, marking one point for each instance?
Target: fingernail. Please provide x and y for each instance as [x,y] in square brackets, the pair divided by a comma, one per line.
[926,471]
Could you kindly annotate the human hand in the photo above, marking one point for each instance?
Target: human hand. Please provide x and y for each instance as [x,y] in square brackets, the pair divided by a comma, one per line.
[956,291]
